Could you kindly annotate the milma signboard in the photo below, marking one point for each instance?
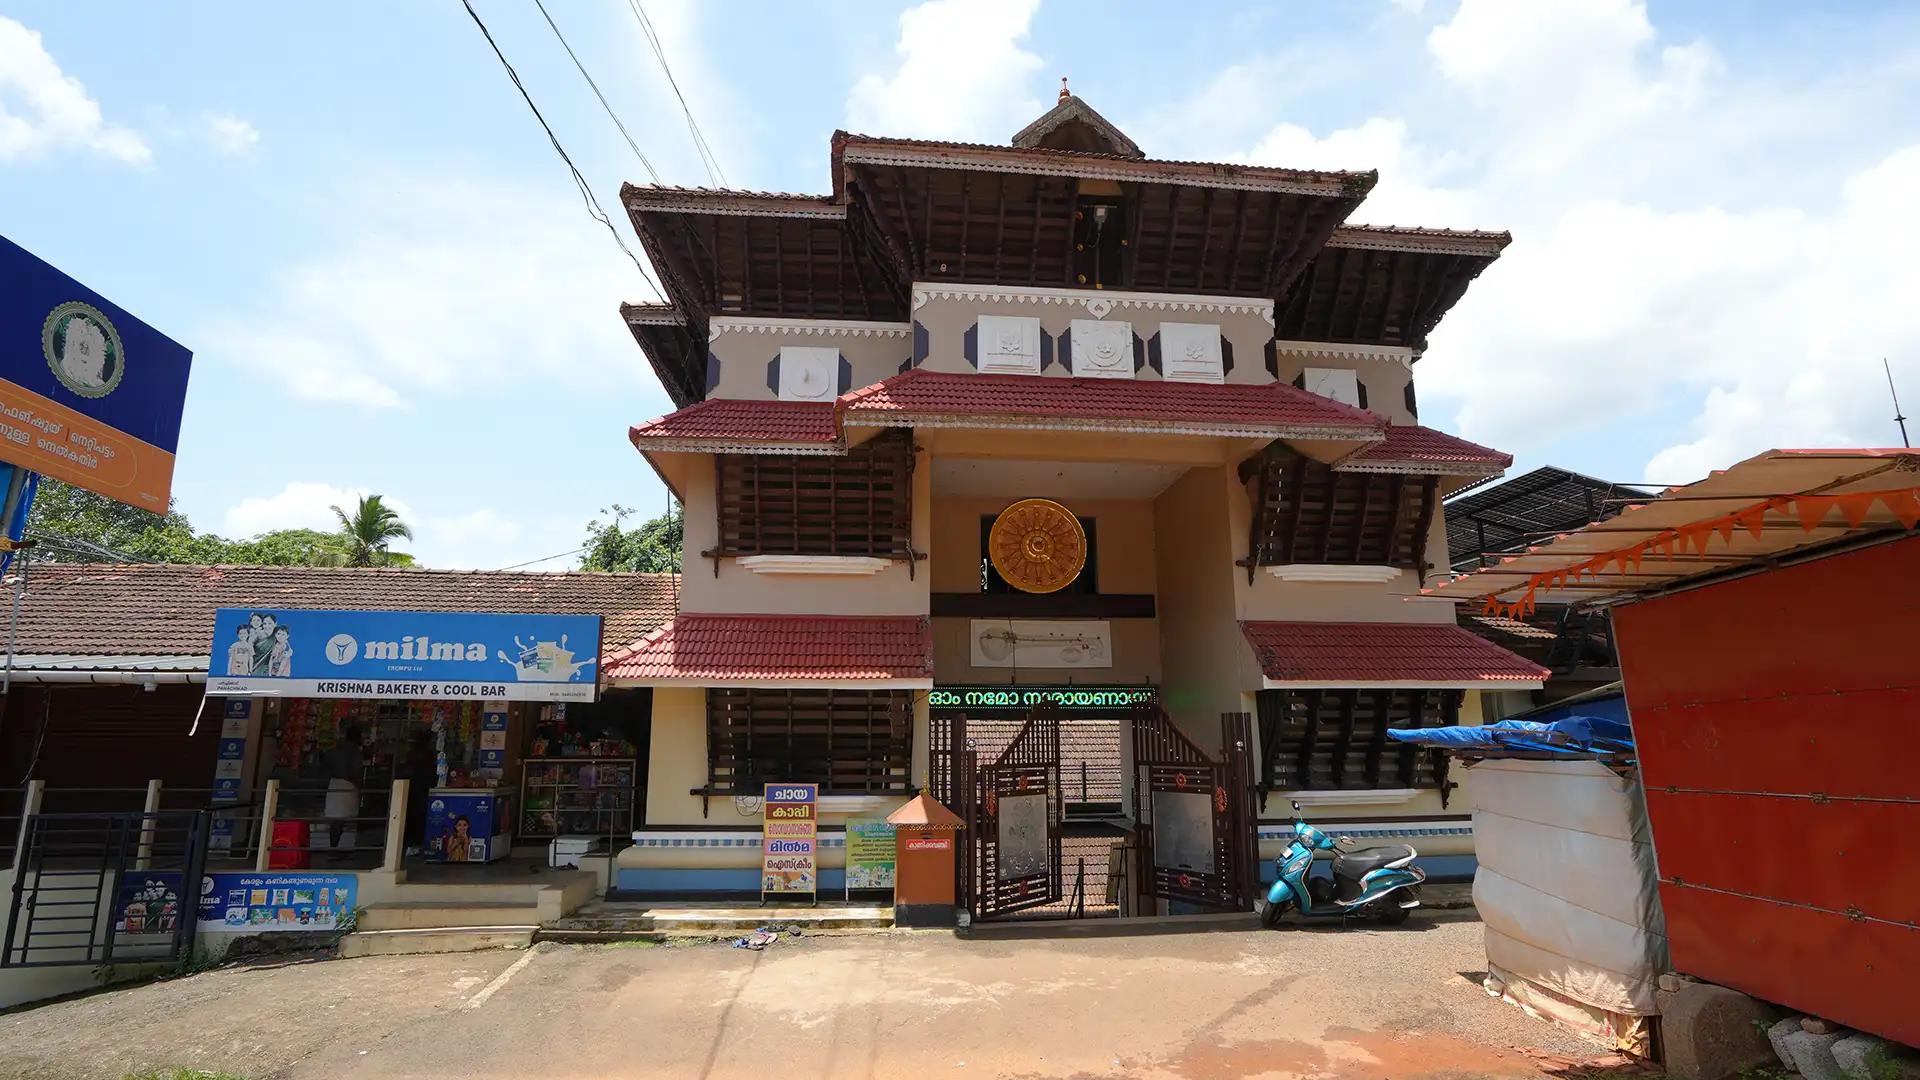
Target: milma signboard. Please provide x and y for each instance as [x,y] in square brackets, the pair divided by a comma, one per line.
[88,393]
[297,653]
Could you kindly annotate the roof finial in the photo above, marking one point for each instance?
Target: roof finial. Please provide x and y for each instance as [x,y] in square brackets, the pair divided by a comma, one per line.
[1064,94]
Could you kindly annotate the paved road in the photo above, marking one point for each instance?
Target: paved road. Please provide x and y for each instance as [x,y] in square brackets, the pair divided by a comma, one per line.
[1304,1003]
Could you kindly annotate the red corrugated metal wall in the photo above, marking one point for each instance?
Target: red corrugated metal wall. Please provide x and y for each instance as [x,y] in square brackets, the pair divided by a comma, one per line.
[1778,722]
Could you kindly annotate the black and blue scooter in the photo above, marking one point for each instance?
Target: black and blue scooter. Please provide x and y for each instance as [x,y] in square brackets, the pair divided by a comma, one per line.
[1379,883]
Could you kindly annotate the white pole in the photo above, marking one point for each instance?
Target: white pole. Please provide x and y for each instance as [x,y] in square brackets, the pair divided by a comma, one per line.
[396,825]
[36,791]
[269,806]
[144,858]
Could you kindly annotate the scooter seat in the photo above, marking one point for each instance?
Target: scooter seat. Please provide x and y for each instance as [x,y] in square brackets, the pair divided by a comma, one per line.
[1358,864]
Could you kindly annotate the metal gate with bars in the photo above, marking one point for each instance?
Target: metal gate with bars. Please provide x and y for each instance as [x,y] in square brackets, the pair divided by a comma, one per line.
[1012,806]
[1194,812]
[106,888]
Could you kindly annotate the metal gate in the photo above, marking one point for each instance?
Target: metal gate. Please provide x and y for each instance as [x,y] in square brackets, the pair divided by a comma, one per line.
[1195,812]
[1012,808]
[107,888]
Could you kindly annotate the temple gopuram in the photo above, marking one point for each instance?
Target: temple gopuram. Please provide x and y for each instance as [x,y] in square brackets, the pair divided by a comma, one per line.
[1082,490]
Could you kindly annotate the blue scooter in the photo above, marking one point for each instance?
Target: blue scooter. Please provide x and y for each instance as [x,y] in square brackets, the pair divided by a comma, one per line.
[1375,883]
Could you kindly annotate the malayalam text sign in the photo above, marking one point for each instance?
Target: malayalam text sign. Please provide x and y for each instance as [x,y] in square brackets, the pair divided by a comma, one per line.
[789,839]
[870,855]
[297,652]
[88,393]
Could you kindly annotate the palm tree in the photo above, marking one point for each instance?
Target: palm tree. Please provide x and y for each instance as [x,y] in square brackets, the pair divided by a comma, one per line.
[365,534]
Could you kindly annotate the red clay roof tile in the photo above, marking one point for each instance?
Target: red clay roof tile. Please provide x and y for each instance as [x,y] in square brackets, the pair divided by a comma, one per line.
[1333,654]
[926,398]
[1425,449]
[725,421]
[720,649]
[167,609]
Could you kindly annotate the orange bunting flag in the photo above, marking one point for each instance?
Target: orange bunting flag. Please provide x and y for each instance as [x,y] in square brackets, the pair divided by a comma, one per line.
[1665,540]
[1812,509]
[1754,519]
[1724,526]
[1857,506]
[1636,553]
[1903,505]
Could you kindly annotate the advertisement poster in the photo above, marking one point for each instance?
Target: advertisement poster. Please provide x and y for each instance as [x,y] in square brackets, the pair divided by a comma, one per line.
[424,655]
[88,393]
[258,903]
[789,840]
[869,855]
[148,903]
[460,827]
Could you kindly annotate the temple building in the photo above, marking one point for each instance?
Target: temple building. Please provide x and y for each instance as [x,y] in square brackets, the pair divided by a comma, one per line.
[1052,469]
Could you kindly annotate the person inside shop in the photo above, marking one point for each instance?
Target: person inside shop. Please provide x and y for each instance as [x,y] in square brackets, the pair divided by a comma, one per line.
[421,776]
[346,764]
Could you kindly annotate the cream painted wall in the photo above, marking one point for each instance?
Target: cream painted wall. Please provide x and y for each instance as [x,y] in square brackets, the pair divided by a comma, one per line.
[1206,663]
[1385,377]
[743,359]
[895,590]
[947,321]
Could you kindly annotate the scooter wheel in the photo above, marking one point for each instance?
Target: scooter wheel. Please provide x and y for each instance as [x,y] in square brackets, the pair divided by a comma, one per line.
[1394,914]
[1270,913]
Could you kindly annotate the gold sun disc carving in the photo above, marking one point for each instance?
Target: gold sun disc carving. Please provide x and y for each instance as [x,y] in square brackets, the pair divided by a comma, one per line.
[1037,545]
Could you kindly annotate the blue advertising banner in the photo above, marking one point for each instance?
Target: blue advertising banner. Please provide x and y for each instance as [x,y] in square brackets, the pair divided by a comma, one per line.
[88,393]
[295,652]
[257,903]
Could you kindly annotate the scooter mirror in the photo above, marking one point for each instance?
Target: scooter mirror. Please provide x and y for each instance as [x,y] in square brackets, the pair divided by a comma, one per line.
[1296,806]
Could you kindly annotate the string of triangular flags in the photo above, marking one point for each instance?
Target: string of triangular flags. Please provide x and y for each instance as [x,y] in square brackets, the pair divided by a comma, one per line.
[1902,503]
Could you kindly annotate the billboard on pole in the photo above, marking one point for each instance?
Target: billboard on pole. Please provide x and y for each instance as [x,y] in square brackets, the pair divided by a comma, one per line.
[88,393]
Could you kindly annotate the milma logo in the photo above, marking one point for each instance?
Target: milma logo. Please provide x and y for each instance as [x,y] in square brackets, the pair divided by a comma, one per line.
[343,648]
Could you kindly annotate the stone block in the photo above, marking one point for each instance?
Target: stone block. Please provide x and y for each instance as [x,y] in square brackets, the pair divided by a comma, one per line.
[1713,1032]
[1671,983]
[1776,1037]
[1869,1057]
[1813,1054]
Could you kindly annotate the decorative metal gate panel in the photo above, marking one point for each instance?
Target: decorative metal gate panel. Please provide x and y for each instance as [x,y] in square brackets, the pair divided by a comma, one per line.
[1015,805]
[107,888]
[1195,811]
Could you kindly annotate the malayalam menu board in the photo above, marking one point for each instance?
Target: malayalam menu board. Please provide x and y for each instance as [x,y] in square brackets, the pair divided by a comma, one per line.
[789,840]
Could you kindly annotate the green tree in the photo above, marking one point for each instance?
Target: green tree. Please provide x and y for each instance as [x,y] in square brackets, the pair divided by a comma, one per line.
[653,546]
[74,525]
[367,533]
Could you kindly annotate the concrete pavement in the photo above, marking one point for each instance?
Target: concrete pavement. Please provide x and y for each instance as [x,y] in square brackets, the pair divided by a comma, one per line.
[1321,1002]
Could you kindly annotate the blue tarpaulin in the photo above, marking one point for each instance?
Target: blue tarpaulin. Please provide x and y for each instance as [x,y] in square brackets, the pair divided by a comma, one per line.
[1572,735]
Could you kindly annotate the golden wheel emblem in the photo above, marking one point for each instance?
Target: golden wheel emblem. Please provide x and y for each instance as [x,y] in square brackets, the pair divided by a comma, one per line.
[1037,545]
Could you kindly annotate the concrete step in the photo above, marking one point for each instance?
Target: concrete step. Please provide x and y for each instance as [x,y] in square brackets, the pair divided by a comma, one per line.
[426,916]
[444,939]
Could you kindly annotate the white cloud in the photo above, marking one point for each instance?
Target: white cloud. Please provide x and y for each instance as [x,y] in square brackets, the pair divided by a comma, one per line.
[1658,292]
[44,109]
[962,74]
[231,135]
[301,504]
[437,285]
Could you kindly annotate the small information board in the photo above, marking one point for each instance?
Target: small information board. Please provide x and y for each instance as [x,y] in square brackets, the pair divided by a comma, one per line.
[790,841]
[870,855]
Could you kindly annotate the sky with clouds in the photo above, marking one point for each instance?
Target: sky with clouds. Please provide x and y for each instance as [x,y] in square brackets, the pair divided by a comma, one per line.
[391,284]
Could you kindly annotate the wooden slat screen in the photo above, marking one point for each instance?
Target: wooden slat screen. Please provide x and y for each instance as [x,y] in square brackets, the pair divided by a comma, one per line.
[1337,739]
[1304,512]
[850,742]
[860,504]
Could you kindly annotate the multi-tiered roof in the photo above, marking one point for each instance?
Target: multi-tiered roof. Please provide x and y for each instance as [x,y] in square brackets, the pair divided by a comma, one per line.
[1071,203]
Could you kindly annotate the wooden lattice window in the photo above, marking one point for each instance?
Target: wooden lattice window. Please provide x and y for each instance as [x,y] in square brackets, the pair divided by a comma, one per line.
[1305,512]
[850,742]
[1337,739]
[859,504]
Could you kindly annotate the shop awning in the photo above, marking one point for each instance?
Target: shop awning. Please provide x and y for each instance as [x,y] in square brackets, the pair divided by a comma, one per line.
[922,398]
[1768,506]
[1384,656]
[864,651]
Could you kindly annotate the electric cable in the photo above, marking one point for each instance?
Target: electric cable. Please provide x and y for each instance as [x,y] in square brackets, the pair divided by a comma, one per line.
[714,172]
[648,165]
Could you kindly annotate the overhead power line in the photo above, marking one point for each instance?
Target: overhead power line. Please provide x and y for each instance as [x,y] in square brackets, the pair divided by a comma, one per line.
[586,192]
[644,163]
[712,163]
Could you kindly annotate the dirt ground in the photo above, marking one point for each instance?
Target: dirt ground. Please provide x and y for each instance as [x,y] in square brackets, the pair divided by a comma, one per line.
[1353,1004]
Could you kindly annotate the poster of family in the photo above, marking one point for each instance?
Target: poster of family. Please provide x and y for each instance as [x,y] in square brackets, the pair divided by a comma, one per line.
[424,655]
